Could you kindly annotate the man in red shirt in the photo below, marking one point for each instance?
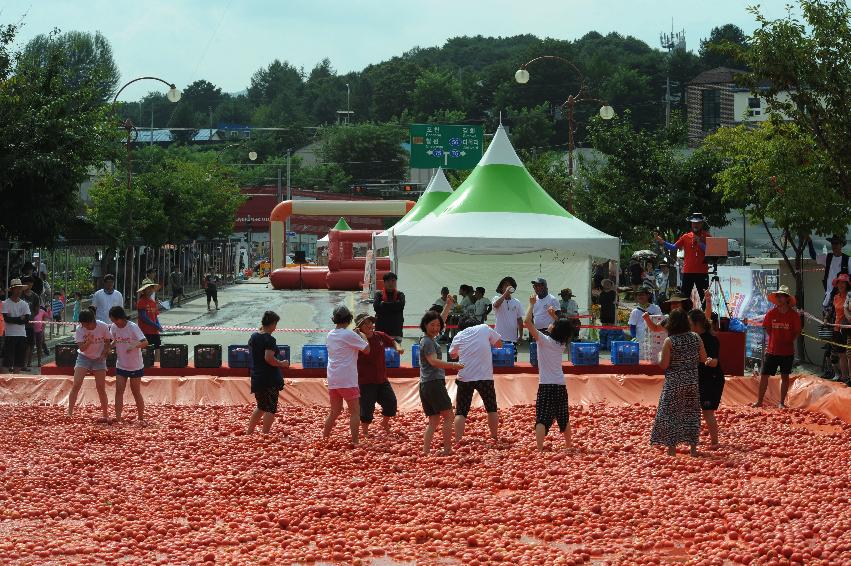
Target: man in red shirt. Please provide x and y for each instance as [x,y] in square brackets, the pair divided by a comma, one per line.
[372,374]
[693,244]
[782,326]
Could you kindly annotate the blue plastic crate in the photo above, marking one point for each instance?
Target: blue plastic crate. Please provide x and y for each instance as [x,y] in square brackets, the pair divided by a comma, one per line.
[533,353]
[239,356]
[391,358]
[314,356]
[415,356]
[503,357]
[625,353]
[609,336]
[585,353]
[283,352]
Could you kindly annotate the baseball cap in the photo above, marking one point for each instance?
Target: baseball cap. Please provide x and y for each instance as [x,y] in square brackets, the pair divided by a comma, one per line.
[539,281]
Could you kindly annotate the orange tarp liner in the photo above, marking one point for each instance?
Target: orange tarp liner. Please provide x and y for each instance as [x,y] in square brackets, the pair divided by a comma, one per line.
[805,392]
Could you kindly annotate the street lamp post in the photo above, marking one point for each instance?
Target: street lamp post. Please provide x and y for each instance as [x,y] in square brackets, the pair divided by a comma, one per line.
[173,95]
[606,111]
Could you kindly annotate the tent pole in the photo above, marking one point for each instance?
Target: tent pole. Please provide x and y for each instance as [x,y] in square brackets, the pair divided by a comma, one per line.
[618,275]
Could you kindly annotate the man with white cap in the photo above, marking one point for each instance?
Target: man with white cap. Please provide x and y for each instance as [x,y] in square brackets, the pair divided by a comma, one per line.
[540,310]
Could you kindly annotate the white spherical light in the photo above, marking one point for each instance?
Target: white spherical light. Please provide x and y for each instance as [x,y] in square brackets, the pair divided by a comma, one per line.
[173,94]
[521,76]
[252,155]
[607,112]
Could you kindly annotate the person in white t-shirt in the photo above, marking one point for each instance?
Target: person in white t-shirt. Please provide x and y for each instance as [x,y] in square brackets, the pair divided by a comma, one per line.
[508,312]
[129,342]
[540,315]
[94,342]
[16,313]
[551,401]
[343,347]
[472,346]
[637,325]
[106,298]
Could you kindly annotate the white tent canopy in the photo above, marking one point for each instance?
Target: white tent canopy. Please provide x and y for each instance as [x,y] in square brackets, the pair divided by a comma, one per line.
[498,222]
[437,191]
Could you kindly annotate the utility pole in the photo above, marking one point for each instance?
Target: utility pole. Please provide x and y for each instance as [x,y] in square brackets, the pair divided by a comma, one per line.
[289,194]
[671,41]
[210,110]
[151,141]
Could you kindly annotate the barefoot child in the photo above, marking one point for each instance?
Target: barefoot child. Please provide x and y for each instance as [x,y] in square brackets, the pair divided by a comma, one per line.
[129,342]
[709,373]
[266,379]
[473,345]
[93,340]
[551,403]
[343,347]
[372,374]
[433,395]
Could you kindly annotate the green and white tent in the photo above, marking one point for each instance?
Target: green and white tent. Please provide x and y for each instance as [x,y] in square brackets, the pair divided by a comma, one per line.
[498,222]
[437,191]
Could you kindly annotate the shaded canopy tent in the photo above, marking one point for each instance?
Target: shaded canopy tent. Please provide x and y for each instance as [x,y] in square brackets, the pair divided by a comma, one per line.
[437,191]
[498,222]
[340,225]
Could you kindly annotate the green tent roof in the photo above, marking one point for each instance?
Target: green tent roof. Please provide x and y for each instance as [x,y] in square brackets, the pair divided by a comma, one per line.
[437,191]
[342,225]
[500,183]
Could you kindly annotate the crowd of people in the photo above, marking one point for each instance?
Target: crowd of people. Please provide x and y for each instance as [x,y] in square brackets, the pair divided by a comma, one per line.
[688,348]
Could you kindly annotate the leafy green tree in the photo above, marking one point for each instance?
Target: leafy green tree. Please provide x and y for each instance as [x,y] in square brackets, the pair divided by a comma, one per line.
[50,135]
[392,83]
[531,127]
[715,50]
[436,90]
[777,173]
[642,184]
[173,200]
[806,62]
[201,96]
[322,177]
[87,58]
[367,151]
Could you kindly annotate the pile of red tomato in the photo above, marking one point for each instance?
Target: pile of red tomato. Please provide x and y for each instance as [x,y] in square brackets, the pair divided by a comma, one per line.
[192,488]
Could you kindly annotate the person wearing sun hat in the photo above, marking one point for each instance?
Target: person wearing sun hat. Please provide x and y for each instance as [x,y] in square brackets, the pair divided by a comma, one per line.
[693,244]
[149,313]
[638,325]
[782,326]
[16,313]
[841,284]
[372,374]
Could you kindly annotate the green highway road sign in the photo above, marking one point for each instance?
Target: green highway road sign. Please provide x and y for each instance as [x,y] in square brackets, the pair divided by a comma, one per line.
[445,145]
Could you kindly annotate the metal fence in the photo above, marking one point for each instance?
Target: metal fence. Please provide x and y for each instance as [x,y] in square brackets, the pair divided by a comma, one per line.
[80,266]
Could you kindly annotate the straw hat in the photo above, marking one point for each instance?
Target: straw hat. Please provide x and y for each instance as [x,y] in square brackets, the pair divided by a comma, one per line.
[842,277]
[146,283]
[566,292]
[363,317]
[676,299]
[783,290]
[15,283]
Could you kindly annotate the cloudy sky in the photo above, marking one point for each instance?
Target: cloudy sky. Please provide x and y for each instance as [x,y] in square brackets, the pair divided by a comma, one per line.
[225,41]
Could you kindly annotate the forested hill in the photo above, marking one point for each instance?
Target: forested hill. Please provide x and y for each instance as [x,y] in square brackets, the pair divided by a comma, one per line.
[468,78]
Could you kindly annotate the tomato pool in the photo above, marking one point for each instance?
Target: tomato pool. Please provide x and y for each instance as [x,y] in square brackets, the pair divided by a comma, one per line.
[190,488]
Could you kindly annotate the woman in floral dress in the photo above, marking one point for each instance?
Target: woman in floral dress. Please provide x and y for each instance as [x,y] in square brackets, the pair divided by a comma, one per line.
[678,414]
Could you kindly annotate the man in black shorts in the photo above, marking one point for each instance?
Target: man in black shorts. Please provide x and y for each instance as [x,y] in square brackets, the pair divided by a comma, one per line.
[472,345]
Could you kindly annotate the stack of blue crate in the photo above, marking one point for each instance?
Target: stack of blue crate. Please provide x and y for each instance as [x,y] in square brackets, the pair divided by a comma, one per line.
[625,353]
[503,357]
[585,353]
[391,358]
[314,356]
